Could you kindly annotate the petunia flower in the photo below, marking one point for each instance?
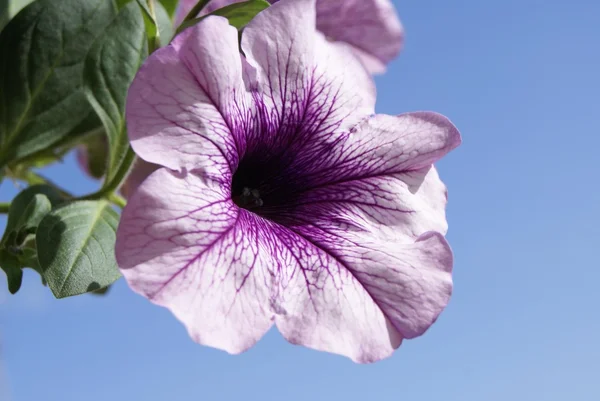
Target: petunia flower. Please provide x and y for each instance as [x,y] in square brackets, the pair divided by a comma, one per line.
[282,199]
[371,28]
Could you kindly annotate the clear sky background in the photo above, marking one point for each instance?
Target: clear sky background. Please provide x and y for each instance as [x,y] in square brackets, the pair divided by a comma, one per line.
[520,79]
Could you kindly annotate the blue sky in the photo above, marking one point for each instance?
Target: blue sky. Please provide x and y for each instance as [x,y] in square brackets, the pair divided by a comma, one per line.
[520,79]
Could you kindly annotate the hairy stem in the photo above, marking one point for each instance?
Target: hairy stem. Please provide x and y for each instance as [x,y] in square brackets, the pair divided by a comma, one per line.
[33,178]
[154,43]
[117,200]
[110,187]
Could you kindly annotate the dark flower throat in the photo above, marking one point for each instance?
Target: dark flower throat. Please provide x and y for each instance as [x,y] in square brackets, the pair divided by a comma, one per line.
[262,186]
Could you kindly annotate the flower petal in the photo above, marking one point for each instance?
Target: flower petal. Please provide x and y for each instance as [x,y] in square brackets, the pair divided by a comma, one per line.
[140,171]
[371,27]
[385,145]
[179,115]
[193,251]
[360,299]
[379,178]
[308,89]
[398,207]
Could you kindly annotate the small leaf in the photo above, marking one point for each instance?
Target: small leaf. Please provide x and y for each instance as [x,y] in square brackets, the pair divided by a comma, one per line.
[37,209]
[101,291]
[170,6]
[238,14]
[27,209]
[165,25]
[14,274]
[41,60]
[75,246]
[122,3]
[159,26]
[3,13]
[28,258]
[14,6]
[110,66]
[17,247]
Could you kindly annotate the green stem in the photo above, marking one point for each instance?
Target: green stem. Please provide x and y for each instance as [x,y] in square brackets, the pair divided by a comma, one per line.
[151,8]
[4,207]
[33,178]
[195,11]
[110,187]
[154,43]
[117,200]
[108,191]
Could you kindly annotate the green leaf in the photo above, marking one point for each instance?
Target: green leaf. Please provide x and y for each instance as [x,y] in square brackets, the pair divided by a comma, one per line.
[89,128]
[11,266]
[170,6]
[17,247]
[26,211]
[159,27]
[122,3]
[101,291]
[110,66]
[165,25]
[42,51]
[35,211]
[4,17]
[238,14]
[28,258]
[14,6]
[75,245]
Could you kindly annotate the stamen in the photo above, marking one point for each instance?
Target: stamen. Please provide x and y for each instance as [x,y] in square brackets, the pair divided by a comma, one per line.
[249,198]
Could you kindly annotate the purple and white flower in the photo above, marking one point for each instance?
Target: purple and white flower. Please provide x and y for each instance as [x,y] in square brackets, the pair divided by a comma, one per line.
[282,199]
[370,28]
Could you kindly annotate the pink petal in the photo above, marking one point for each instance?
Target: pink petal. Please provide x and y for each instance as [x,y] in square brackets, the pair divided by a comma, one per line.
[190,249]
[380,176]
[140,171]
[375,266]
[180,114]
[371,27]
[183,8]
[305,83]
[399,208]
[361,300]
[372,226]
[385,145]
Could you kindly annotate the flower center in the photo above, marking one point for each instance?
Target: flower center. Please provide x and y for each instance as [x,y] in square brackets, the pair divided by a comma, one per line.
[261,185]
[248,188]
[248,199]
